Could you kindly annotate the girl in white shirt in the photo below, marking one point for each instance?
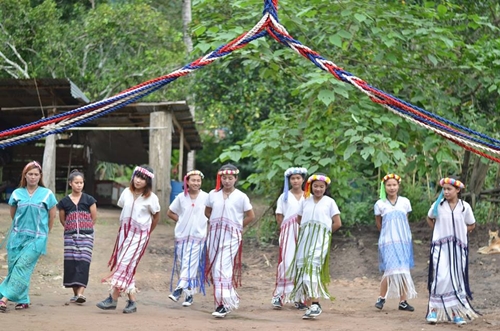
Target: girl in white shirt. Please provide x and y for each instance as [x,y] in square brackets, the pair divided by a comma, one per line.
[318,217]
[287,209]
[451,219]
[395,248]
[228,210]
[188,212]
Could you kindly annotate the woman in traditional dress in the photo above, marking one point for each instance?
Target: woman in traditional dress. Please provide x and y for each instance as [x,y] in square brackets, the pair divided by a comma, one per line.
[188,212]
[77,214]
[33,210]
[286,215]
[139,217]
[228,210]
[395,248]
[451,219]
[318,217]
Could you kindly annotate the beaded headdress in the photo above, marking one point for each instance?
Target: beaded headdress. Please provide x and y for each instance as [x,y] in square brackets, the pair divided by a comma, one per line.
[383,195]
[288,173]
[442,182]
[190,173]
[315,177]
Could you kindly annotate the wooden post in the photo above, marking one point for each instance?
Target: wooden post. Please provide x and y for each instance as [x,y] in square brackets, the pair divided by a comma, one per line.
[160,155]
[49,160]
[90,171]
[191,155]
[181,156]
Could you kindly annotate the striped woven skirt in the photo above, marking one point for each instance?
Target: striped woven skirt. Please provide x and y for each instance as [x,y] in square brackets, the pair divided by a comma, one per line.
[77,257]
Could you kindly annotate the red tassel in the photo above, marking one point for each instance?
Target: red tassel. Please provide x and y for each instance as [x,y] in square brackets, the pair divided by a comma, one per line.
[185,186]
[217,185]
[307,191]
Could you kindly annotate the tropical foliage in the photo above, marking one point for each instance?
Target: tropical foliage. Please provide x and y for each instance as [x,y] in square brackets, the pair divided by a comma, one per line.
[441,56]
[275,108]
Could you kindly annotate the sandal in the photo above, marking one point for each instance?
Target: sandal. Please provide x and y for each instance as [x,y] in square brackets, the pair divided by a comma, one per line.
[3,307]
[81,299]
[21,306]
[73,299]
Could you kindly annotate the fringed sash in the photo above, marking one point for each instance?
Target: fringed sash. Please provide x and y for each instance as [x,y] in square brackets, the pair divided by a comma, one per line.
[287,245]
[122,273]
[457,301]
[224,248]
[192,279]
[310,270]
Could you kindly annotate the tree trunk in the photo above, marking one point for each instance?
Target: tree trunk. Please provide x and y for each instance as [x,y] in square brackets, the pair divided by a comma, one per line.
[477,178]
[465,167]
[186,21]
[186,33]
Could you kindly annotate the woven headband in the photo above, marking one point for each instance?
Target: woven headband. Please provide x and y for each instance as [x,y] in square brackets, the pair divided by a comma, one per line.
[451,181]
[36,164]
[383,194]
[191,173]
[289,172]
[224,172]
[144,172]
[323,178]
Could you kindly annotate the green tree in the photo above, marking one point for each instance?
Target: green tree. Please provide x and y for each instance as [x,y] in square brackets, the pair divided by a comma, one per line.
[422,53]
[94,48]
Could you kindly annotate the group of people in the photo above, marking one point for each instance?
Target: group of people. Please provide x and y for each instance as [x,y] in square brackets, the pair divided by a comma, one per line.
[208,241]
[306,223]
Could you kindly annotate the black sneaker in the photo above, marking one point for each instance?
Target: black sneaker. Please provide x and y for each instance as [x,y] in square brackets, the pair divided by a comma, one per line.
[276,302]
[380,303]
[188,301]
[107,304]
[130,308]
[176,294]
[220,312]
[301,306]
[403,305]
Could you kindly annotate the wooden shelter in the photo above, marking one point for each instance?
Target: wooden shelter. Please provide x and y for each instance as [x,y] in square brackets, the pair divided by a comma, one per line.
[140,133]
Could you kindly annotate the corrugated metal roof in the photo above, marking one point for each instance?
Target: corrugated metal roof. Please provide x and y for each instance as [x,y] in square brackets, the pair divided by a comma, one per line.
[40,92]
[23,101]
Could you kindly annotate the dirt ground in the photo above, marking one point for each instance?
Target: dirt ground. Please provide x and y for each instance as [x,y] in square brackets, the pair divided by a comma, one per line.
[355,285]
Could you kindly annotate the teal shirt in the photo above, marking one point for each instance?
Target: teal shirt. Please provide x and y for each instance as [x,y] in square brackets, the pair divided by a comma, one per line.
[31,220]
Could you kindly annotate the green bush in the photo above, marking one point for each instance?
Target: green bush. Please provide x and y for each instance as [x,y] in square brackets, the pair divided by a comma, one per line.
[268,230]
[420,202]
[357,213]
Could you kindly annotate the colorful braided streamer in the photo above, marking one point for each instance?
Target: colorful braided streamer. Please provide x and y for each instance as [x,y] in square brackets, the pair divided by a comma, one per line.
[468,139]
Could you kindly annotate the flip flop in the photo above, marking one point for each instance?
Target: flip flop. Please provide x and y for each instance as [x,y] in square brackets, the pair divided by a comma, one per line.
[3,307]
[21,306]
[73,299]
[81,299]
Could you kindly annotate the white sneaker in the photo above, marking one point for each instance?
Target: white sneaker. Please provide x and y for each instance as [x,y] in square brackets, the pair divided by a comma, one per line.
[175,295]
[314,311]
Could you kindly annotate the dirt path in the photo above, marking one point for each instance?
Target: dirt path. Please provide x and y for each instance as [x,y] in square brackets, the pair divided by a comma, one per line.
[355,281]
